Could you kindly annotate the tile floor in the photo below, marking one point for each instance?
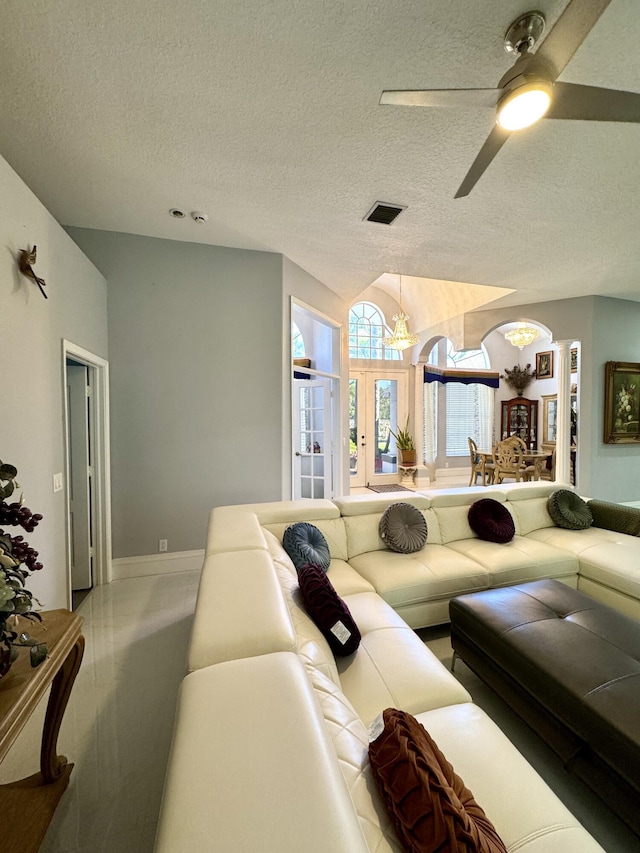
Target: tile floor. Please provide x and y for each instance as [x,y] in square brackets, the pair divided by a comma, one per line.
[118,725]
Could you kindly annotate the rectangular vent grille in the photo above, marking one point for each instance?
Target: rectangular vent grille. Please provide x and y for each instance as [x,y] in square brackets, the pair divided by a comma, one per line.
[384,213]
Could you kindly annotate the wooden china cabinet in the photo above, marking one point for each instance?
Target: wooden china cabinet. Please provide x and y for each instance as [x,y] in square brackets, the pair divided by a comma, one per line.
[520,417]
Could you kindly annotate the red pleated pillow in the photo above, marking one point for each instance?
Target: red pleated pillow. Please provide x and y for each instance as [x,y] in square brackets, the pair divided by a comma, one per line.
[431,808]
[491,520]
[328,610]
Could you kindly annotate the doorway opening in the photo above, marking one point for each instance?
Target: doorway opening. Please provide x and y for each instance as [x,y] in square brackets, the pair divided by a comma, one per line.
[85,384]
[377,404]
[315,403]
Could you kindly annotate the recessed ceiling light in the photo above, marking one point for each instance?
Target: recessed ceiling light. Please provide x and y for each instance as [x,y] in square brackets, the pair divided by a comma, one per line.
[176,213]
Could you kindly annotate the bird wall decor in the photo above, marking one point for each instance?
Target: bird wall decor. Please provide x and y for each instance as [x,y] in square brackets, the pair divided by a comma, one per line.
[27,260]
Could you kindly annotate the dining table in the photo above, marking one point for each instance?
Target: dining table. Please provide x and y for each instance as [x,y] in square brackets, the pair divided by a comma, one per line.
[536,458]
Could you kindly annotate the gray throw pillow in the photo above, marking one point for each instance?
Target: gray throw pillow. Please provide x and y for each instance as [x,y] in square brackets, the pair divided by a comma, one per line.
[403,528]
[304,543]
[568,510]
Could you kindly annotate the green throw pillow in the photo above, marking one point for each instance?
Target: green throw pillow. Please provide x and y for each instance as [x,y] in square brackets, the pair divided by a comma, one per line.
[568,510]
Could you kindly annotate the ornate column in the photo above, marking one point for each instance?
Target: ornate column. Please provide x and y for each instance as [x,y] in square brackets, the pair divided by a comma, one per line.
[563,434]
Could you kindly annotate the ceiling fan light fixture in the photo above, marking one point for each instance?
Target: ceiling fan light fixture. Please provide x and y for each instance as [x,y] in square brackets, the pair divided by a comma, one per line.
[524,105]
[522,336]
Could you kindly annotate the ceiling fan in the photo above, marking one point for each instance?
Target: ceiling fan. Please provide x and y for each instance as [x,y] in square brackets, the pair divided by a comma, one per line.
[529,90]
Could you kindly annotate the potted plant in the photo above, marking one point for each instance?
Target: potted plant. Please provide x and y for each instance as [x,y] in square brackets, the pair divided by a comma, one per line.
[519,378]
[405,445]
[17,560]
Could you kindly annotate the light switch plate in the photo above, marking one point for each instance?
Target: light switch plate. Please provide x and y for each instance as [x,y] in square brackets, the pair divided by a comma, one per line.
[57,482]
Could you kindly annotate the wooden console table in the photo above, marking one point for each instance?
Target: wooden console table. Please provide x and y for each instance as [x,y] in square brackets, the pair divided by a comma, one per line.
[27,806]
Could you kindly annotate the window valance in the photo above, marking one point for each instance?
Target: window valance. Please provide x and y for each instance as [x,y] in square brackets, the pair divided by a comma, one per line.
[466,377]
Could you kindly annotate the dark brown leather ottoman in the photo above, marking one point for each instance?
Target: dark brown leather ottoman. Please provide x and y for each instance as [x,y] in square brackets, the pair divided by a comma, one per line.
[570,667]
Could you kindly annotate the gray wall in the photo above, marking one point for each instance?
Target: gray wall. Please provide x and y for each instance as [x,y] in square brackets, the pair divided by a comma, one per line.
[32,330]
[195,341]
[614,468]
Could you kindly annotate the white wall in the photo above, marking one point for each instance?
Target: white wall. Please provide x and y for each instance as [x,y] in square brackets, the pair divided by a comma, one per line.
[31,332]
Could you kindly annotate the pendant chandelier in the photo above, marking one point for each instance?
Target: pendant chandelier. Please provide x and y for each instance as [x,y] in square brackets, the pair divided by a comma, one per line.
[522,336]
[401,337]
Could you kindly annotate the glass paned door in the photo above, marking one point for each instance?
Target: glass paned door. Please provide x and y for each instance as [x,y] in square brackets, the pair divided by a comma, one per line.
[377,404]
[312,455]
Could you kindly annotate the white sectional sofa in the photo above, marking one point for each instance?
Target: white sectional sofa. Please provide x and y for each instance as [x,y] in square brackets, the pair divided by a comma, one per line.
[270,750]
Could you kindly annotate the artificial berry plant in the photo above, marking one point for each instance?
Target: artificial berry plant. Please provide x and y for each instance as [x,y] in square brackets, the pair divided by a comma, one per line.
[17,560]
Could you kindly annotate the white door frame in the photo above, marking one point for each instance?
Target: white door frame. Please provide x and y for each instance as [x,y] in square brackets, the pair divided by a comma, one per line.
[99,369]
[332,371]
[366,378]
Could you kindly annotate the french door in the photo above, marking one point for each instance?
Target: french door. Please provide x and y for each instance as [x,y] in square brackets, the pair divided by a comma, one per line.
[377,403]
[312,466]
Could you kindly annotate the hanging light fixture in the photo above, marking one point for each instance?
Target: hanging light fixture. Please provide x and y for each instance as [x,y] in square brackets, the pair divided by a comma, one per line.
[401,337]
[522,336]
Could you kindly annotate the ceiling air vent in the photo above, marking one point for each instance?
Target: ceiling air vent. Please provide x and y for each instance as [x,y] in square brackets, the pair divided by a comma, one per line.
[384,213]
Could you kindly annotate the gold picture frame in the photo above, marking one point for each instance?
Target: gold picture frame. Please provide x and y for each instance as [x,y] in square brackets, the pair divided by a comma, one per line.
[544,365]
[622,402]
[574,359]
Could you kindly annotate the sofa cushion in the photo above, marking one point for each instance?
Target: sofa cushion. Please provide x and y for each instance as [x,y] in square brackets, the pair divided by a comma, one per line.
[304,543]
[363,532]
[491,520]
[568,510]
[328,610]
[403,528]
[331,528]
[351,742]
[526,813]
[429,803]
[613,516]
[392,665]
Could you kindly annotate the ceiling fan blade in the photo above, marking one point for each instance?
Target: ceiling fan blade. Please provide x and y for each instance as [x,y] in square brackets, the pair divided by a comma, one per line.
[441,97]
[592,103]
[492,145]
[570,30]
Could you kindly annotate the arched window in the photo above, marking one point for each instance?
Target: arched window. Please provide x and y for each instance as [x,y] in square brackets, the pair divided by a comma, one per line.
[297,341]
[367,328]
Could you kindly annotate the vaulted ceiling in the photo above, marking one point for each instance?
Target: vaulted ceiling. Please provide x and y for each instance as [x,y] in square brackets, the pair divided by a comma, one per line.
[266,117]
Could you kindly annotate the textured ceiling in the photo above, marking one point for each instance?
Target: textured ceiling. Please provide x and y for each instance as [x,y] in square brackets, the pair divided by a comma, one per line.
[266,116]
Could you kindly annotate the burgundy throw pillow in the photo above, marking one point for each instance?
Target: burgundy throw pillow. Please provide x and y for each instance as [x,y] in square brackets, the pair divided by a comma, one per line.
[328,610]
[491,520]
[431,808]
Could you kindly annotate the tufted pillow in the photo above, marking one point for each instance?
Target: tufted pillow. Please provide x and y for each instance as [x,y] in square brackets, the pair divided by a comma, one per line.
[403,528]
[430,805]
[567,509]
[304,543]
[328,610]
[491,520]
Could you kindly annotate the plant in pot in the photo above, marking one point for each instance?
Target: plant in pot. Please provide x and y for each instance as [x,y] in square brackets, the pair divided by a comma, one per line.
[519,378]
[17,560]
[405,445]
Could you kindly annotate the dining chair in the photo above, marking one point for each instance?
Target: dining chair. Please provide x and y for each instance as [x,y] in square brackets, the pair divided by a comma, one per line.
[549,470]
[480,466]
[507,459]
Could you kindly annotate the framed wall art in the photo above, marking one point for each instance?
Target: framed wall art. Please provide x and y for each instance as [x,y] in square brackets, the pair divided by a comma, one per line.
[544,365]
[574,359]
[622,402]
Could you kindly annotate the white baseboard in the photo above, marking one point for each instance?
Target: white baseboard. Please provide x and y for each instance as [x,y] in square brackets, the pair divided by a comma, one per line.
[156,564]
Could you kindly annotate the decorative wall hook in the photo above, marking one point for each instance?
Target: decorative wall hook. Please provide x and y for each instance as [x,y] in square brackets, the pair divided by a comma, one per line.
[27,259]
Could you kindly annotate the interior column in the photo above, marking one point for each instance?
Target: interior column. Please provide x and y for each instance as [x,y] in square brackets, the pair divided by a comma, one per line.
[563,433]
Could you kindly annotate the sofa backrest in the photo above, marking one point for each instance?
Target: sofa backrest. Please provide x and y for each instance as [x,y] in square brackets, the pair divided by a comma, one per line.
[240,612]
